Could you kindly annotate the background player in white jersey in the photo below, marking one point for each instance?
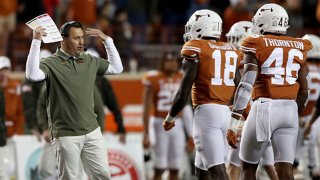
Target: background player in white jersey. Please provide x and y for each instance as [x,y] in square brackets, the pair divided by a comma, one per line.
[159,90]
[275,68]
[210,72]
[312,145]
[313,126]
[236,34]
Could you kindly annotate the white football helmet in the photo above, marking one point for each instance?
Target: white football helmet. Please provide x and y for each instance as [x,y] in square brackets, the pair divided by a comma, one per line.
[238,32]
[315,41]
[271,18]
[203,23]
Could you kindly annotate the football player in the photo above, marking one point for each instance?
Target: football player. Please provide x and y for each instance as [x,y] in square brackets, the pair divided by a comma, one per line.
[210,74]
[159,89]
[313,60]
[313,127]
[275,69]
[236,34]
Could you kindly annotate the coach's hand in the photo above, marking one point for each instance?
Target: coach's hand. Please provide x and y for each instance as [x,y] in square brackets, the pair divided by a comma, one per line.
[96,33]
[46,135]
[168,123]
[36,133]
[39,32]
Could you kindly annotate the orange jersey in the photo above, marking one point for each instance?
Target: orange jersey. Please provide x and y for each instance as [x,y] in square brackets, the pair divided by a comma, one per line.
[279,60]
[164,89]
[216,71]
[314,85]
[14,111]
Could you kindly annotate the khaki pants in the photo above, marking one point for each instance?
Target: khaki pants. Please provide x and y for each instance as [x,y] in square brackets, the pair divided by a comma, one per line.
[48,167]
[90,149]
[47,164]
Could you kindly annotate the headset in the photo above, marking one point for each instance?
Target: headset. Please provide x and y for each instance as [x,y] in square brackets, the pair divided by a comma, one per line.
[64,30]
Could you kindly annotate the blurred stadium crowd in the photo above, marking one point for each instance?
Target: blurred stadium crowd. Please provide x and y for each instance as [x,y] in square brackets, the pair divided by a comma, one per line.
[140,28]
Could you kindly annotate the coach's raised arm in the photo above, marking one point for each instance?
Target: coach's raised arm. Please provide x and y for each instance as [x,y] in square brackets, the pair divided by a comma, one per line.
[73,46]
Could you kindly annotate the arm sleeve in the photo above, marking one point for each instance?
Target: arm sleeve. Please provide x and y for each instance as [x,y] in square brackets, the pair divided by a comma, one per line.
[42,116]
[115,64]
[33,71]
[182,96]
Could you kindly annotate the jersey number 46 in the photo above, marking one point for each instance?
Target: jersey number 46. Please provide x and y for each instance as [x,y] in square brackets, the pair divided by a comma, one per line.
[282,71]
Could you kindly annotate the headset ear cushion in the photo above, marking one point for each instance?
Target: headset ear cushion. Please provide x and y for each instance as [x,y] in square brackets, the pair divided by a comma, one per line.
[64,30]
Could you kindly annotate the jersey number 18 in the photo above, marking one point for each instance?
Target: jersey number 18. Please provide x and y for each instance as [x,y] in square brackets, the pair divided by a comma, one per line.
[229,67]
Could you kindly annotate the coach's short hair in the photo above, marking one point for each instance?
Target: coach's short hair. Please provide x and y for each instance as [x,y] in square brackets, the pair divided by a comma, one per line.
[65,28]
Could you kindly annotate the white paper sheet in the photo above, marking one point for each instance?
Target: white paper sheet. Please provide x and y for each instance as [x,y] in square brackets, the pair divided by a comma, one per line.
[45,21]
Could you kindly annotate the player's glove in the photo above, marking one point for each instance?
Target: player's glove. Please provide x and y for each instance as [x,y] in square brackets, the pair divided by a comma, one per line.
[234,126]
[168,123]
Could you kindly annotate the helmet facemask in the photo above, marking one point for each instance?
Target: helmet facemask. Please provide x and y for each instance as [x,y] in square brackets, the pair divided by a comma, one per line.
[187,35]
[203,23]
